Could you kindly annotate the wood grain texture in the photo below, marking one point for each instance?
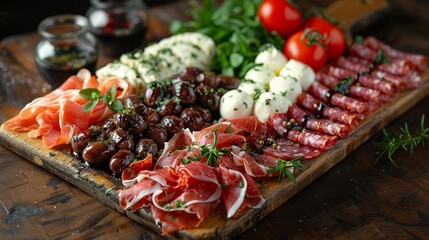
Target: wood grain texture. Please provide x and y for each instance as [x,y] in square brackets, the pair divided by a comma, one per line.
[96,182]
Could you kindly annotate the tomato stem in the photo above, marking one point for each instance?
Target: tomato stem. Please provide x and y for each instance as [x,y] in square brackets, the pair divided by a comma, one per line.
[312,36]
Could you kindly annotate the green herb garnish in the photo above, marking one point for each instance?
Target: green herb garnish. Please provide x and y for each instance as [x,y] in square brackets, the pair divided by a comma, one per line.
[394,141]
[94,96]
[211,152]
[283,168]
[343,86]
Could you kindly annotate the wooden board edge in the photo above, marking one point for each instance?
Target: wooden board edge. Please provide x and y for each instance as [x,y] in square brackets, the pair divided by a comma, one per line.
[20,143]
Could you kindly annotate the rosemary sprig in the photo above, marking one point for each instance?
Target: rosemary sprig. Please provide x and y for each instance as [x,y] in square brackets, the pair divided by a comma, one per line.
[405,140]
[283,168]
[211,152]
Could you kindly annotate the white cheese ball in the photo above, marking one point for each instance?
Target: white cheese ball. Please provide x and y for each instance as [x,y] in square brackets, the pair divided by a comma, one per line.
[269,103]
[260,74]
[235,104]
[300,71]
[287,86]
[254,89]
[272,58]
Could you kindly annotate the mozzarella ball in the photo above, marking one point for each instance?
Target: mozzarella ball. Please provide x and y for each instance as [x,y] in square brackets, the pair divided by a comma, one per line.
[254,89]
[260,74]
[272,58]
[235,104]
[269,103]
[300,71]
[286,86]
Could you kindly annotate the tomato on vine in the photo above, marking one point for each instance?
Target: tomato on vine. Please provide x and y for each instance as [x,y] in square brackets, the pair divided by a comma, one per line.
[336,41]
[307,46]
[281,16]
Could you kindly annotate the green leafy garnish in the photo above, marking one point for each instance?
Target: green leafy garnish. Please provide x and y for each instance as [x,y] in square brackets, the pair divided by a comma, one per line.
[359,39]
[236,30]
[394,141]
[381,57]
[211,152]
[343,86]
[94,96]
[283,168]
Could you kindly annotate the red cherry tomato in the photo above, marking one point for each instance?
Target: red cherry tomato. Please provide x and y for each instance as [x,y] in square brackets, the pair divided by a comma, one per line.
[336,42]
[307,46]
[280,16]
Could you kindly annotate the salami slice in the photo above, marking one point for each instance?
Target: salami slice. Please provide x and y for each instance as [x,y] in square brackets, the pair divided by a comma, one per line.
[351,66]
[318,125]
[400,82]
[386,87]
[339,73]
[420,62]
[312,139]
[286,149]
[322,92]
[363,52]
[332,113]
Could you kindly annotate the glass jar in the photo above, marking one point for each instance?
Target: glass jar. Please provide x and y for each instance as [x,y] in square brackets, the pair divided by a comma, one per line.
[66,46]
[119,25]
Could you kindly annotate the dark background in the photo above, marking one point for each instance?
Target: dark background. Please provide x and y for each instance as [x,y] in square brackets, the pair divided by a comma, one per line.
[18,16]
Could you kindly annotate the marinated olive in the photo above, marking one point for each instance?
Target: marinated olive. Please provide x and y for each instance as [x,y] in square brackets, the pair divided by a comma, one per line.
[122,139]
[172,124]
[192,119]
[154,94]
[138,124]
[146,146]
[207,97]
[81,140]
[157,133]
[169,107]
[130,121]
[152,116]
[208,78]
[227,82]
[97,152]
[205,113]
[108,125]
[185,93]
[136,103]
[120,161]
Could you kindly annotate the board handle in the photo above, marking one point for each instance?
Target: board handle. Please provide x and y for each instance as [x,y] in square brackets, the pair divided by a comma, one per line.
[355,16]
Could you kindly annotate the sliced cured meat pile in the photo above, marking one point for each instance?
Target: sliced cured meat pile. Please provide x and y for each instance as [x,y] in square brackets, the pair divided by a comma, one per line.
[57,116]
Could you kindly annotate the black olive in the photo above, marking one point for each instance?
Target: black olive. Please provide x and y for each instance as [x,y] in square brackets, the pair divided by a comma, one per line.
[120,161]
[122,139]
[228,82]
[204,112]
[172,124]
[109,125]
[152,116]
[81,140]
[136,103]
[208,78]
[192,119]
[146,146]
[207,97]
[97,152]
[169,107]
[185,92]
[130,121]
[188,74]
[154,94]
[157,133]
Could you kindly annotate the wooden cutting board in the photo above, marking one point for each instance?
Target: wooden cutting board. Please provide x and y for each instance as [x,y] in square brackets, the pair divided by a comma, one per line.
[103,187]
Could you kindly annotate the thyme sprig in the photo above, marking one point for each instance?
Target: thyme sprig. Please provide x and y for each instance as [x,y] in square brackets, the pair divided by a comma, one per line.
[283,168]
[403,140]
[94,96]
[211,152]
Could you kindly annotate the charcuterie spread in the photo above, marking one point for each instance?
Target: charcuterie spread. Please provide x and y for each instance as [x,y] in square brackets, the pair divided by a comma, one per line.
[187,141]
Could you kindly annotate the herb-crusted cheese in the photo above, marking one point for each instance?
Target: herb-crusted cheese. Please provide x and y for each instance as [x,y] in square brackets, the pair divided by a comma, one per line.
[236,104]
[269,103]
[120,70]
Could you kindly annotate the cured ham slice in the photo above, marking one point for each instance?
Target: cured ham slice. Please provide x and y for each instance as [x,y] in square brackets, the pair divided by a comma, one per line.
[57,116]
[322,92]
[419,61]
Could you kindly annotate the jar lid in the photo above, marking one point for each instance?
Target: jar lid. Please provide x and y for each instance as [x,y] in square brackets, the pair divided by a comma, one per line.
[63,26]
[106,4]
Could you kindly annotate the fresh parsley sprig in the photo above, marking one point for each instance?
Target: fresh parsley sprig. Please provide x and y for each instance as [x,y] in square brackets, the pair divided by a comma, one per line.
[283,168]
[211,152]
[94,96]
[403,140]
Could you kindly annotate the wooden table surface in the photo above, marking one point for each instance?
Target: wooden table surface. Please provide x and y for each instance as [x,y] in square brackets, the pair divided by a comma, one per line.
[356,199]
